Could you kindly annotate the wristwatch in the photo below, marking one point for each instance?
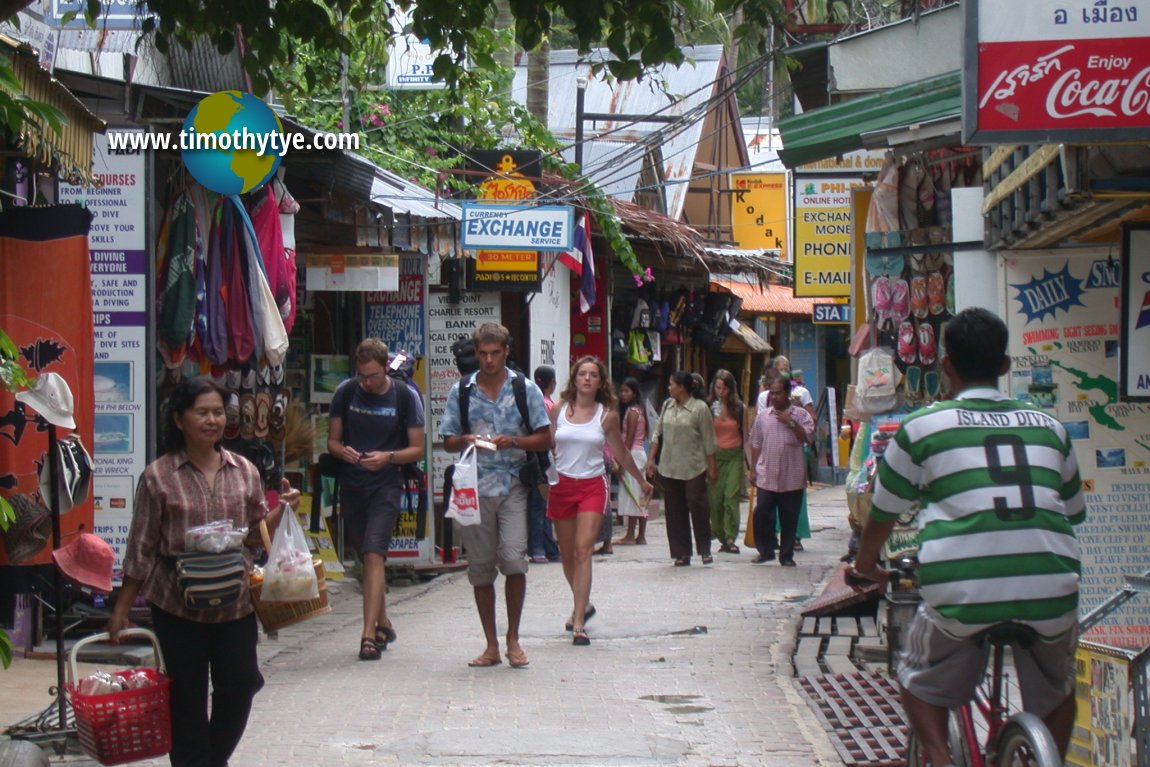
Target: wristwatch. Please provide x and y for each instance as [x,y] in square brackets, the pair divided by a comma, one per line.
[515,442]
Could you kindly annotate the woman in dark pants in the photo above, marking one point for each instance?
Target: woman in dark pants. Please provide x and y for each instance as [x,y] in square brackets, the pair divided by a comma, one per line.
[194,483]
[683,446]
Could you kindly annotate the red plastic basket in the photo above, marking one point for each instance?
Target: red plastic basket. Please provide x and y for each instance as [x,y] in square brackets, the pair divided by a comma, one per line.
[124,726]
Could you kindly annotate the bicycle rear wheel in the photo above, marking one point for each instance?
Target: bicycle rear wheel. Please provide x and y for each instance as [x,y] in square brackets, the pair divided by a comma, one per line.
[1025,742]
[916,754]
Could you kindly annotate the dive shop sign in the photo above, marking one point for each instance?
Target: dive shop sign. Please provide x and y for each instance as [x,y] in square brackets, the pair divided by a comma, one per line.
[1042,71]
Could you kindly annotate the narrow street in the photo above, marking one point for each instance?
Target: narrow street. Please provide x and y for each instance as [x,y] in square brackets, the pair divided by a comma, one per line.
[687,666]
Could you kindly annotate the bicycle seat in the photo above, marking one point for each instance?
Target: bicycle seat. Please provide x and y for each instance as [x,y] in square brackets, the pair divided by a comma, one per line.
[1009,633]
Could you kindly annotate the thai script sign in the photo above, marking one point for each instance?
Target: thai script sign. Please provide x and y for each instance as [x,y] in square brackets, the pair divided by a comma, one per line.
[1037,73]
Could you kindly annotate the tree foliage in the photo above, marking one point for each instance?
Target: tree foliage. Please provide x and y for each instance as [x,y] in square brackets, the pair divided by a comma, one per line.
[638,33]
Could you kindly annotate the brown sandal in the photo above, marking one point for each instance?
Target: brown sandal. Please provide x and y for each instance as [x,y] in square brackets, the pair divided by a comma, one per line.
[368,649]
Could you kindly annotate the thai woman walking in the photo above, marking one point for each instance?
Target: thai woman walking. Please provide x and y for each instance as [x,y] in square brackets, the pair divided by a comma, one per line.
[730,460]
[683,456]
[633,421]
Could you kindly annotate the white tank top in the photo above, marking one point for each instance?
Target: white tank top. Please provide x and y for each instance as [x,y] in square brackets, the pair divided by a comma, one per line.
[579,446]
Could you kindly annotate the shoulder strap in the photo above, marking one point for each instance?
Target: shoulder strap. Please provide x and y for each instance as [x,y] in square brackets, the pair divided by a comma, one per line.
[519,387]
[402,403]
[345,406]
[465,403]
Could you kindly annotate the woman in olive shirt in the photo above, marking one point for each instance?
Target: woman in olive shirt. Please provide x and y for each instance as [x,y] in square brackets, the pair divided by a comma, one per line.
[683,451]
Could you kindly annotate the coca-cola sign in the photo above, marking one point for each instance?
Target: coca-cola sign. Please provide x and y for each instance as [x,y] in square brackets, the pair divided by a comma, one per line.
[1040,71]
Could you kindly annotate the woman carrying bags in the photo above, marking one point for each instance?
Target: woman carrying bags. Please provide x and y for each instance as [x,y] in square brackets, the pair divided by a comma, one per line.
[582,422]
[683,456]
[730,460]
[197,482]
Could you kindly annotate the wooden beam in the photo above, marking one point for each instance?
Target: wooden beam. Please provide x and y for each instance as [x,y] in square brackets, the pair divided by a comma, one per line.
[1030,167]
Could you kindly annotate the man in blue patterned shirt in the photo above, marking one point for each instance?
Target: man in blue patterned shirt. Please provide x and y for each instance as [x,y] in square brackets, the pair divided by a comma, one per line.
[499,542]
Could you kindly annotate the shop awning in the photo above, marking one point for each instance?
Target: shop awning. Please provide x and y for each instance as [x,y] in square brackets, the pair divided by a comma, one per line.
[67,152]
[838,129]
[770,299]
[746,338]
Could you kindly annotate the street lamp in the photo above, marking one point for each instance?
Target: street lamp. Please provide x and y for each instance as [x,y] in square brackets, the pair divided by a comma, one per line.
[580,95]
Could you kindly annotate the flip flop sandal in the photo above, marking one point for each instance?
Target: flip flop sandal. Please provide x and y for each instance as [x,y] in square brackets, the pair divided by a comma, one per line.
[263,413]
[277,376]
[248,382]
[232,379]
[579,637]
[935,292]
[927,348]
[913,381]
[247,416]
[484,661]
[931,381]
[918,300]
[907,342]
[517,659]
[917,262]
[899,300]
[588,614]
[881,299]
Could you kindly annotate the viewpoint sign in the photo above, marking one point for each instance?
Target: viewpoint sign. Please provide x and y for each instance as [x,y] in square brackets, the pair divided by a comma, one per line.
[1041,72]
[517,227]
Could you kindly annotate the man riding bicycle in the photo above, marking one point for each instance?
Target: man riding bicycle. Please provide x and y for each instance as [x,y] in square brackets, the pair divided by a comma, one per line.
[999,490]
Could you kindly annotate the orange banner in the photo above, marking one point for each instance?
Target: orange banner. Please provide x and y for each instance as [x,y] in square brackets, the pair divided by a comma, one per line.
[46,308]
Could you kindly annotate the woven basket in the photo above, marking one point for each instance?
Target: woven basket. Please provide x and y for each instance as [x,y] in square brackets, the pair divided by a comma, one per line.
[276,615]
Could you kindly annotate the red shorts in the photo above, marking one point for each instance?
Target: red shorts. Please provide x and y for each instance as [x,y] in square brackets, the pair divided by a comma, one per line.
[575,496]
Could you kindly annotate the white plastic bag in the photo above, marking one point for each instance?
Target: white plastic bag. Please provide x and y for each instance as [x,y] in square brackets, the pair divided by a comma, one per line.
[877,390]
[464,506]
[290,573]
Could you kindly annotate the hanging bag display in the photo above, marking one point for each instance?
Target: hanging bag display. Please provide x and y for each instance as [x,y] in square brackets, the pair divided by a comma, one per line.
[464,505]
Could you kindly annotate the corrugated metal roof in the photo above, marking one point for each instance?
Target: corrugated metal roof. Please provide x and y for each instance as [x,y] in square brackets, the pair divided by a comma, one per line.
[613,162]
[772,299]
[838,129]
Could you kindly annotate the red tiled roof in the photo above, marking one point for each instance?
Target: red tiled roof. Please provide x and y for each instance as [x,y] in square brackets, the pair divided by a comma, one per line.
[774,299]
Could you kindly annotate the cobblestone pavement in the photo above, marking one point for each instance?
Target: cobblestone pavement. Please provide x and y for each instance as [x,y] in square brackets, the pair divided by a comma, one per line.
[687,667]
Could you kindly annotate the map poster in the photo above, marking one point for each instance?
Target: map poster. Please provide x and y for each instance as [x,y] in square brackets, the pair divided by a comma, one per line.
[1064,347]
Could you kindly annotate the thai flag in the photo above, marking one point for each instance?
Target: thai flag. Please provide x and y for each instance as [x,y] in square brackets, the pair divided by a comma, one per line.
[581,261]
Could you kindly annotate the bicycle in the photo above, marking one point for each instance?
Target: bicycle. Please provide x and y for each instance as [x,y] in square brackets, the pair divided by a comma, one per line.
[1011,739]
[1014,739]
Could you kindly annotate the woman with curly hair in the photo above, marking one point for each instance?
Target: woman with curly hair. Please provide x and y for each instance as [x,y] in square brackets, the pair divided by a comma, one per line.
[582,422]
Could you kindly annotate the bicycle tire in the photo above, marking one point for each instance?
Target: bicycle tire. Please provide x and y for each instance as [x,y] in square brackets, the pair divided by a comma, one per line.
[1026,736]
[959,748]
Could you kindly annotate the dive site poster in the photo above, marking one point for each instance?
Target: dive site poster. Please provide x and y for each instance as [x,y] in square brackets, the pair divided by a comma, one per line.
[1062,311]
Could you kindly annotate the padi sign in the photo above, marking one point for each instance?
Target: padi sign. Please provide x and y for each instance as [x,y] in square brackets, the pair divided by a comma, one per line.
[517,227]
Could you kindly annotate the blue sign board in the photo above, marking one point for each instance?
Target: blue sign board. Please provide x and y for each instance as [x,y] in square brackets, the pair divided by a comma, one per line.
[832,314]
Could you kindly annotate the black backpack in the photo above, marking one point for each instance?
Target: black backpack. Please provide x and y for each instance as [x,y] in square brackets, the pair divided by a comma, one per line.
[410,471]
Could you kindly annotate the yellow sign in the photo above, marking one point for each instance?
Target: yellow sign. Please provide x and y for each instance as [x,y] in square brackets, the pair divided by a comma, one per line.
[823,236]
[1101,736]
[509,187]
[759,211]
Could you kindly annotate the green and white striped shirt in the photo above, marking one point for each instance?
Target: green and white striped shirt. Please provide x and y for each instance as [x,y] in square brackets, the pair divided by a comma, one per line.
[1000,490]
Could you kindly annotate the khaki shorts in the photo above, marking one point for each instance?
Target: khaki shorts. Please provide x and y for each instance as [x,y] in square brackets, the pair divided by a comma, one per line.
[942,670]
[498,544]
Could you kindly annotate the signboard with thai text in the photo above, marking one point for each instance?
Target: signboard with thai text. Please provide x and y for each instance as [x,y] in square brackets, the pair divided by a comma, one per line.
[1037,71]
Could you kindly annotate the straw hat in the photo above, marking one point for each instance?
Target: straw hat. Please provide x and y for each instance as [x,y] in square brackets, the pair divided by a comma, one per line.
[28,535]
[88,561]
[51,398]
